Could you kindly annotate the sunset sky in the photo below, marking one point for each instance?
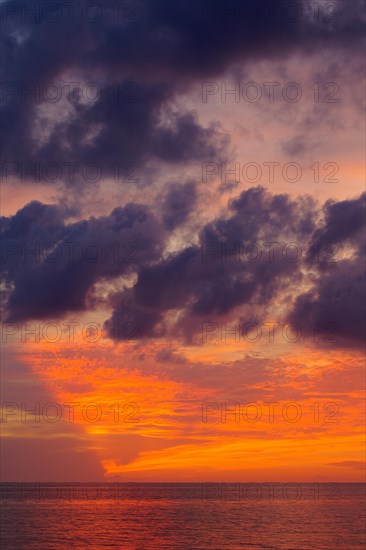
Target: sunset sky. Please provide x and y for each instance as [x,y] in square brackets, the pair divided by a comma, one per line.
[183,248]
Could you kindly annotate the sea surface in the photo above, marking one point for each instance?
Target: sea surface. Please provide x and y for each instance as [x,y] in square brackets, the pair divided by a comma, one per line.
[184,516]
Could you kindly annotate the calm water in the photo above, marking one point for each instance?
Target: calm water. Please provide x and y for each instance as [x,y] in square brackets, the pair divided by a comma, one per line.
[185,516]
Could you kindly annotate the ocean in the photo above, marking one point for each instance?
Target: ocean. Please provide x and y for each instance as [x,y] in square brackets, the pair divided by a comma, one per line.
[183,516]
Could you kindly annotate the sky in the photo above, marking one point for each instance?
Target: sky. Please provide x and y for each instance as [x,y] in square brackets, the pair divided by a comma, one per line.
[183,247]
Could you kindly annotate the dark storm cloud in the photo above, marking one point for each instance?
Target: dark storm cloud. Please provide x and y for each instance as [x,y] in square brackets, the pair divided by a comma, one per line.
[178,203]
[212,289]
[344,224]
[335,307]
[166,49]
[132,321]
[237,265]
[201,283]
[50,268]
[140,67]
[337,301]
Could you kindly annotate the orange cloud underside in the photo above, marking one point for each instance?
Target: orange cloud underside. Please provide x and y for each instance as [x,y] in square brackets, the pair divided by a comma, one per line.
[151,425]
